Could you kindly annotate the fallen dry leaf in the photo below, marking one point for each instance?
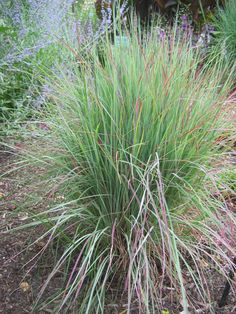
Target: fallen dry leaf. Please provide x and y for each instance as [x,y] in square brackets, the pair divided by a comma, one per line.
[41,244]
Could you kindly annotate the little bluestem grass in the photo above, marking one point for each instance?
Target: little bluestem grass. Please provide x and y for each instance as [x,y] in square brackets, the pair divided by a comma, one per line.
[130,145]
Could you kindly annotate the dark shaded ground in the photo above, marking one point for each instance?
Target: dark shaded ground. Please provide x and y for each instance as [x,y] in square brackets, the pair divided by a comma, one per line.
[20,281]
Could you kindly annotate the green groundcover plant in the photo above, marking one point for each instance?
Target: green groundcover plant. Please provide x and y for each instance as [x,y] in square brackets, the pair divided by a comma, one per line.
[129,147]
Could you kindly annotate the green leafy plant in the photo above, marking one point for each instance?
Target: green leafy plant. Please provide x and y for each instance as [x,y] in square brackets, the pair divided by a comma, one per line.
[130,144]
[14,86]
[16,79]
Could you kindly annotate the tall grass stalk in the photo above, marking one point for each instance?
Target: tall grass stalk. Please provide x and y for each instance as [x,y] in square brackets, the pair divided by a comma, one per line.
[131,143]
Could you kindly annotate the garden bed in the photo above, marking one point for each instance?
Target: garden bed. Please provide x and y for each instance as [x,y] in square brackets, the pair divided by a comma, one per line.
[21,277]
[117,156]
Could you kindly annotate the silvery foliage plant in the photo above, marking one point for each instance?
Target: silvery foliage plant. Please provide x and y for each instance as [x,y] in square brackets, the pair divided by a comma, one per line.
[40,23]
[37,22]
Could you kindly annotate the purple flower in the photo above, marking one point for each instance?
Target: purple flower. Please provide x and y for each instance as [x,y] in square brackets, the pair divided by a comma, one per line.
[184,17]
[123,8]
[186,25]
[161,34]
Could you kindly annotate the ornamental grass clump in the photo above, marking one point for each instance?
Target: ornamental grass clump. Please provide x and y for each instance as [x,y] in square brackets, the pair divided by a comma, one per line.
[224,42]
[130,144]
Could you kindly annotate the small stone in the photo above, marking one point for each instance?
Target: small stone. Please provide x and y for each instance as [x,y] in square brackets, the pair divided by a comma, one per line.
[24,286]
[9,306]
